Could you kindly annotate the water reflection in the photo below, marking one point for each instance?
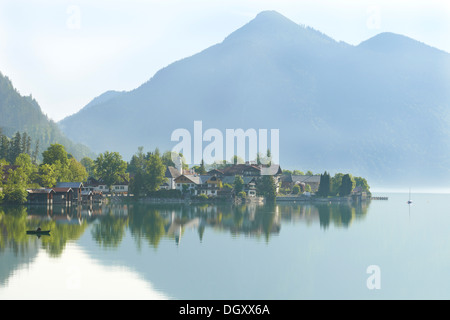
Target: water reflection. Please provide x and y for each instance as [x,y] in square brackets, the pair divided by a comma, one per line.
[148,224]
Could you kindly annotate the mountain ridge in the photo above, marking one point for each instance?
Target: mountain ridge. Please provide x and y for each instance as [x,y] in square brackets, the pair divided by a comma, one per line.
[377,113]
[24,114]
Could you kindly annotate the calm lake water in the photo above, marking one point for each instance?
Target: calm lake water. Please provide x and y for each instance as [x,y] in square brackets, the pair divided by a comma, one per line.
[378,250]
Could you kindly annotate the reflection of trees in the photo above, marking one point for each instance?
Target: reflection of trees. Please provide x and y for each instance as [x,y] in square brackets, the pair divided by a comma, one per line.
[324,215]
[60,235]
[151,222]
[146,223]
[13,227]
[110,230]
[337,214]
[250,219]
[16,220]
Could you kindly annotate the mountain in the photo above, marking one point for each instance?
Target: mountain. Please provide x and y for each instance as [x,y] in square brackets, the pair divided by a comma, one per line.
[379,109]
[23,114]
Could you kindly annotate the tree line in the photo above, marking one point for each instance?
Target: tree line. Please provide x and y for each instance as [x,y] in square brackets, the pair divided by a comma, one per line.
[10,149]
[340,184]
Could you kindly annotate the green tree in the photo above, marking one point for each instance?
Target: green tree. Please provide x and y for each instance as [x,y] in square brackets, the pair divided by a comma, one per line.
[15,147]
[78,172]
[35,153]
[346,186]
[201,169]
[324,185]
[361,182]
[136,168]
[15,188]
[296,189]
[110,168]
[242,195]
[29,169]
[335,183]
[47,176]
[4,147]
[89,165]
[56,152]
[2,164]
[238,184]
[62,171]
[237,160]
[267,188]
[154,172]
[307,188]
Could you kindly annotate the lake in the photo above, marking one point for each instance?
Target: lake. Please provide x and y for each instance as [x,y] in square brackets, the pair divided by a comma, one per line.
[375,250]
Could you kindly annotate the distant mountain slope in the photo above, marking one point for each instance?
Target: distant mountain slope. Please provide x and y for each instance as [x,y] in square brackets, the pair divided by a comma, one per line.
[380,109]
[23,114]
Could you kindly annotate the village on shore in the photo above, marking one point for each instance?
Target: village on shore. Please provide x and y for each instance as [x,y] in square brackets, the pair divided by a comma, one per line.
[237,182]
[151,177]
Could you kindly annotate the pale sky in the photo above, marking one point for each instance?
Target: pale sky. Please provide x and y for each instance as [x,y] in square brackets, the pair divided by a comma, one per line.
[65,53]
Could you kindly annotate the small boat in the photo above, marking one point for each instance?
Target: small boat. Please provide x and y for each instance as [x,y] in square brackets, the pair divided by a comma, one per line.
[409,201]
[39,232]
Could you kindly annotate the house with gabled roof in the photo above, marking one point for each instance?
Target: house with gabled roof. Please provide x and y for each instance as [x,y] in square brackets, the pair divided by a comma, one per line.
[63,196]
[76,187]
[209,185]
[249,184]
[189,181]
[95,185]
[40,196]
[313,181]
[171,174]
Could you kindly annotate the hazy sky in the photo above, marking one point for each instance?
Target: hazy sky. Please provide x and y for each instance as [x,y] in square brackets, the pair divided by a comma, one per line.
[65,53]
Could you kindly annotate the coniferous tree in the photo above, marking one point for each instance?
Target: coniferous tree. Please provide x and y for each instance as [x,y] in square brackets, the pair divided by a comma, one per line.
[35,153]
[15,148]
[23,143]
[324,186]
[346,186]
[28,146]
[4,147]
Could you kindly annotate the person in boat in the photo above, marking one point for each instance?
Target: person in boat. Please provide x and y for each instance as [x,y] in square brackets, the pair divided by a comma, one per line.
[38,229]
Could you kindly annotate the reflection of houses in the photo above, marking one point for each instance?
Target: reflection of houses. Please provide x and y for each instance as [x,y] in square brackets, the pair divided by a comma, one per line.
[252,220]
[176,227]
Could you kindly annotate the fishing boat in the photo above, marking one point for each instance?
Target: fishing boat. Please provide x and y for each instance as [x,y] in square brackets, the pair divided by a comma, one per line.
[39,232]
